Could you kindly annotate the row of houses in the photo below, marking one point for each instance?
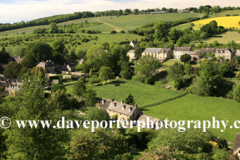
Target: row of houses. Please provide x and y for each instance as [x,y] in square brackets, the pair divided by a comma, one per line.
[163,53]
[125,112]
[10,85]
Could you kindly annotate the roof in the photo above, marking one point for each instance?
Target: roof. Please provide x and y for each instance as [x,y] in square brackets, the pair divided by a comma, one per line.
[182,49]
[104,103]
[134,42]
[18,59]
[197,52]
[144,117]
[131,51]
[4,93]
[220,50]
[208,50]
[118,107]
[156,50]
[72,65]
[46,64]
[81,61]
[62,68]
[192,52]
[237,144]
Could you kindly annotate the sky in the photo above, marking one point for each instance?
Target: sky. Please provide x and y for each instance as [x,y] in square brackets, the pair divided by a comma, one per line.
[25,10]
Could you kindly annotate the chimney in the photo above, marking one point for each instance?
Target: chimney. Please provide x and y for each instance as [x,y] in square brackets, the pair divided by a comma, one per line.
[136,105]
[112,99]
[114,105]
[103,101]
[130,109]
[124,107]
[122,102]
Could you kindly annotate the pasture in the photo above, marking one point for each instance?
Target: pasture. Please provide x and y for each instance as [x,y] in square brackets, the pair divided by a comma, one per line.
[227,22]
[224,13]
[143,94]
[133,21]
[193,107]
[225,37]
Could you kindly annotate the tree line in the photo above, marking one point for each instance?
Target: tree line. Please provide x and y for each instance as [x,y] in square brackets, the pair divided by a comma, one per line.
[78,15]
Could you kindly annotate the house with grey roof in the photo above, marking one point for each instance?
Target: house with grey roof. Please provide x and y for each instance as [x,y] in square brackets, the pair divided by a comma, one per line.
[159,53]
[131,54]
[123,111]
[133,43]
[50,66]
[17,59]
[225,53]
[179,51]
[149,121]
[207,50]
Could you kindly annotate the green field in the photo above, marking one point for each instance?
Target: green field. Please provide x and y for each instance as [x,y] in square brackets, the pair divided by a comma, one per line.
[143,94]
[183,26]
[193,107]
[225,37]
[223,14]
[133,21]
[118,37]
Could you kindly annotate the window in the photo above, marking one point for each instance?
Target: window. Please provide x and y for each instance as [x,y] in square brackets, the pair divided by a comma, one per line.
[120,114]
[127,116]
[227,55]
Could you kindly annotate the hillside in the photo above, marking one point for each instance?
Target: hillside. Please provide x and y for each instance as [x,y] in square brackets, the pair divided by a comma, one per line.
[133,21]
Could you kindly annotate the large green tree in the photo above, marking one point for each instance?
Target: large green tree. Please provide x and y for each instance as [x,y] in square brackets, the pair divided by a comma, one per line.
[106,73]
[37,52]
[161,31]
[79,87]
[14,70]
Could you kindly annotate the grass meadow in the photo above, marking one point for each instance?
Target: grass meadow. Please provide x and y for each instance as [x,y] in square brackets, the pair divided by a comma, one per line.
[223,14]
[133,21]
[193,107]
[225,37]
[143,94]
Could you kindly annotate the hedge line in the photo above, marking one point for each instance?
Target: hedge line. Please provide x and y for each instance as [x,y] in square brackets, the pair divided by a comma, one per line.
[166,100]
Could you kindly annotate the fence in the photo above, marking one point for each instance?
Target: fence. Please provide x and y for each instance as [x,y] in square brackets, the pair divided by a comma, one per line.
[166,100]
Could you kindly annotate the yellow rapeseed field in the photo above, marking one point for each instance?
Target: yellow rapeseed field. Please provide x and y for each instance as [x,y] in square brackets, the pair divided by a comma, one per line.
[226,22]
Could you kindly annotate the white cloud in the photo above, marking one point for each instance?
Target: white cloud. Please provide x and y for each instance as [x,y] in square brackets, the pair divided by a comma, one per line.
[30,9]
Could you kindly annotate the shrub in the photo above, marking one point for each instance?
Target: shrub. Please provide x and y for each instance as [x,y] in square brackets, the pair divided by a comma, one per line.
[1,89]
[222,143]
[94,80]
[122,31]
[113,32]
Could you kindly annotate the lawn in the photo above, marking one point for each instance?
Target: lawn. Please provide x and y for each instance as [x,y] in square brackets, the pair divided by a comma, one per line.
[193,107]
[133,21]
[225,37]
[143,94]
[183,26]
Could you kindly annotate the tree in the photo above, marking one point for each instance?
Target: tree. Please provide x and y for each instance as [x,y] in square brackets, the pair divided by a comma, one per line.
[79,87]
[180,42]
[185,58]
[4,56]
[98,114]
[80,54]
[90,97]
[105,46]
[106,73]
[187,69]
[236,92]
[13,70]
[174,35]
[58,46]
[56,87]
[53,28]
[147,68]
[161,31]
[41,141]
[129,100]
[1,68]
[225,70]
[37,52]
[138,52]
[175,71]
[60,99]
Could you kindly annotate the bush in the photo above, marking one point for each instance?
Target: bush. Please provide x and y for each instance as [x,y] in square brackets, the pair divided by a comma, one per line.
[113,32]
[222,143]
[122,31]
[1,89]
[94,80]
